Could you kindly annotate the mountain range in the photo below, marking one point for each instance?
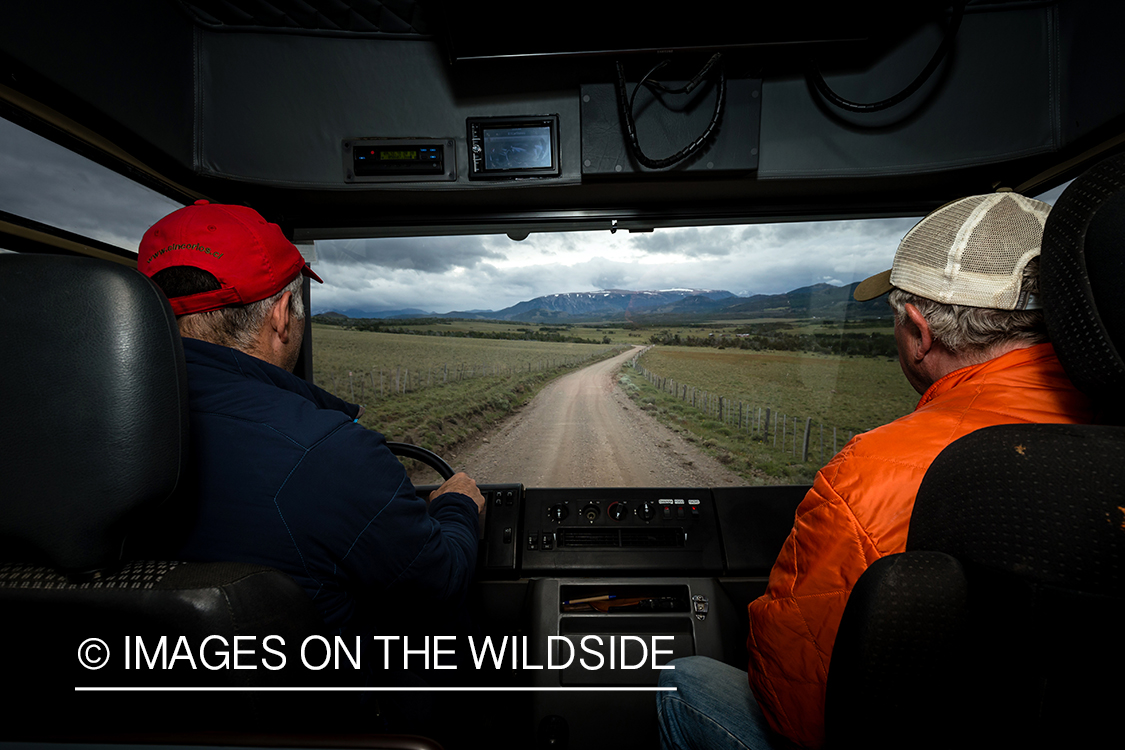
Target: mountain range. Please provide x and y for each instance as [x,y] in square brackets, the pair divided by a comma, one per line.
[661,306]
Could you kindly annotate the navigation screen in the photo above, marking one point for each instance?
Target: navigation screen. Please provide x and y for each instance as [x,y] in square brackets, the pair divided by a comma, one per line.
[517,148]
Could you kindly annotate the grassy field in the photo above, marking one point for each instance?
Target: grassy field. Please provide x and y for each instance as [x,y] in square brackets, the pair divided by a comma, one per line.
[781,325]
[441,392]
[848,394]
[436,326]
[438,392]
[427,360]
[852,393]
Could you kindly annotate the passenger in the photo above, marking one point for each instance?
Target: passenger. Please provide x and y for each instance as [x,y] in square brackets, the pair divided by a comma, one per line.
[286,476]
[972,340]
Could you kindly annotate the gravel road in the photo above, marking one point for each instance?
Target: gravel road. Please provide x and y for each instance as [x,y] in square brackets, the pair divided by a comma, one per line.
[583,431]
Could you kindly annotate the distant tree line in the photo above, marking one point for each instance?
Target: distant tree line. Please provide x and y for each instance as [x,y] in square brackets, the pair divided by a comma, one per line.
[855,344]
[379,325]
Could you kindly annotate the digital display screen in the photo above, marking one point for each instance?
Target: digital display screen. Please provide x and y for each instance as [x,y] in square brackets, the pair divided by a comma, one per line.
[397,159]
[517,148]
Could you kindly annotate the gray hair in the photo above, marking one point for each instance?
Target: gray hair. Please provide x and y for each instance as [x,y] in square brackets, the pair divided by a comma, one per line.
[975,330]
[238,327]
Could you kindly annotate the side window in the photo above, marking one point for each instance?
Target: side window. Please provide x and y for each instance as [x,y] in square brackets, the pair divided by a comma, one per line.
[52,185]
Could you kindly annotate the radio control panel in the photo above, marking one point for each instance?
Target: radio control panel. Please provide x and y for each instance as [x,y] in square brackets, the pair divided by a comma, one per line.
[635,529]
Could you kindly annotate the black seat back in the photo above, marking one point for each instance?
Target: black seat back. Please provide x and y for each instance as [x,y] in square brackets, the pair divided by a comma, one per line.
[93,436]
[997,625]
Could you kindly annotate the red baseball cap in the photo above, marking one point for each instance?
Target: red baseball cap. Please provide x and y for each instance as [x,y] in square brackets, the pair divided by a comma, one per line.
[250,257]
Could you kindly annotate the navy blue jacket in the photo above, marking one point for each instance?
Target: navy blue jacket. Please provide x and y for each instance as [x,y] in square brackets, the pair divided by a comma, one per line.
[289,480]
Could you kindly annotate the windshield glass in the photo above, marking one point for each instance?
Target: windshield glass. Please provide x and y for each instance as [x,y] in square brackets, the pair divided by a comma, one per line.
[730,355]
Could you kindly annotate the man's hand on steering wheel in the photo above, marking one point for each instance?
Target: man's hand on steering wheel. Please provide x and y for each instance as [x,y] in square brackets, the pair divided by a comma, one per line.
[463,483]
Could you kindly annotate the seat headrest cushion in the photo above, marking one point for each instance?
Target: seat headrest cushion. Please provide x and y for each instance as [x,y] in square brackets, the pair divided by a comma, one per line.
[94,425]
[1083,278]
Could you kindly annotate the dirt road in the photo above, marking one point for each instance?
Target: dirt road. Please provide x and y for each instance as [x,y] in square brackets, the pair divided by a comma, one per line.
[582,431]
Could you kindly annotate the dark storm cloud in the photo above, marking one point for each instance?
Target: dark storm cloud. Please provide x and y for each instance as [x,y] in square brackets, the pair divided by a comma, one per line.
[45,182]
[816,231]
[692,242]
[424,254]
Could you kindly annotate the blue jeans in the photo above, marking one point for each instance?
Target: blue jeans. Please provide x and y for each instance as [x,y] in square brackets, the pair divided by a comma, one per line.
[713,707]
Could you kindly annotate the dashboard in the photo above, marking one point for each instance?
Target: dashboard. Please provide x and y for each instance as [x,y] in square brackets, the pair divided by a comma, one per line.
[598,589]
[645,531]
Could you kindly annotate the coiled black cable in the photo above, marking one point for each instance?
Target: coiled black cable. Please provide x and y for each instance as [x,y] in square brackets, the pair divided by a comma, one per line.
[625,103]
[817,79]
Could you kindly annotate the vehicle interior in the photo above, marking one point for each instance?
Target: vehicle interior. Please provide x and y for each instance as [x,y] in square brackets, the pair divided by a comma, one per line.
[364,119]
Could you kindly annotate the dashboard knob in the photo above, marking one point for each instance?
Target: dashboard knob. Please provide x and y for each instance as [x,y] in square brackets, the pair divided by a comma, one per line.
[617,511]
[558,512]
[646,511]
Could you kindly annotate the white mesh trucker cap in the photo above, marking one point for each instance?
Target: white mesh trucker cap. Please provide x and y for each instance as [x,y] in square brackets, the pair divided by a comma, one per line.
[968,252]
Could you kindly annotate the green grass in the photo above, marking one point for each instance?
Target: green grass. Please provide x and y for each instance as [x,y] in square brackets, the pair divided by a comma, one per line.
[849,394]
[442,392]
[458,388]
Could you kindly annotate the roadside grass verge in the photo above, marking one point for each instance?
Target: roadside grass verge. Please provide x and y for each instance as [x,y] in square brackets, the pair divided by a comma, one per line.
[441,394]
[750,458]
[853,394]
[841,395]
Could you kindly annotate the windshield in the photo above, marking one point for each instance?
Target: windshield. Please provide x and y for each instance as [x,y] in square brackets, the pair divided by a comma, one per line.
[699,356]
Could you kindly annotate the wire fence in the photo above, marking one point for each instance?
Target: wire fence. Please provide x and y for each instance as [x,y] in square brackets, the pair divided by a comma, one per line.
[388,382]
[791,434]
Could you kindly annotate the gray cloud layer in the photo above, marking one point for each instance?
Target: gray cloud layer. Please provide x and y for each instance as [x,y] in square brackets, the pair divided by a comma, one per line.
[47,183]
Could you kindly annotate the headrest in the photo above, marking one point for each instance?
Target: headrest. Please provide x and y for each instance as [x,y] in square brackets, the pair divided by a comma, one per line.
[94,425]
[1083,278]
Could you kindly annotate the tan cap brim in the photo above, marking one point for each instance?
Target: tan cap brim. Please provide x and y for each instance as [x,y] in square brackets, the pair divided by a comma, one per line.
[875,286]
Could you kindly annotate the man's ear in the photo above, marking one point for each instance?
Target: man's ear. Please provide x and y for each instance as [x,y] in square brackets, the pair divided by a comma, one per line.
[279,318]
[923,339]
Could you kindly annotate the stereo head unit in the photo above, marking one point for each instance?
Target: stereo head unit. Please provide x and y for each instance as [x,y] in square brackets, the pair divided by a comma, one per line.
[504,148]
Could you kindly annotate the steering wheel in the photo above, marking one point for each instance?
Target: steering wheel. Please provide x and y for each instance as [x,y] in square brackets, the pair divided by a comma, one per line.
[428,457]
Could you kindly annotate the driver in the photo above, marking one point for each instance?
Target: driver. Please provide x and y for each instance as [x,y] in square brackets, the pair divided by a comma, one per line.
[286,476]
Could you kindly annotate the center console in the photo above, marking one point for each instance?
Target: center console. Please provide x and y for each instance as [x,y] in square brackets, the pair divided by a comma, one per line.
[633,530]
[603,587]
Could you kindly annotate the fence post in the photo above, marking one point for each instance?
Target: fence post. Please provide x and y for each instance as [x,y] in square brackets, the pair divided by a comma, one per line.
[805,451]
[766,426]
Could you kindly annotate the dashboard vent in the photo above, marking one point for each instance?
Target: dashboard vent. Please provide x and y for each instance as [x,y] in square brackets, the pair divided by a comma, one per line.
[660,537]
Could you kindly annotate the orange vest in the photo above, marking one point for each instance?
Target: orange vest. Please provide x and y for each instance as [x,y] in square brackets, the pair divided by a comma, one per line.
[858,510]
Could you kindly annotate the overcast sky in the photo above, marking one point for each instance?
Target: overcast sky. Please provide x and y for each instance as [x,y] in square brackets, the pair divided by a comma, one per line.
[44,182]
[440,274]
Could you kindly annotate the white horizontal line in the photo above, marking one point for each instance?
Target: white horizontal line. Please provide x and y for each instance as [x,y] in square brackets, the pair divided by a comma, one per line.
[162,689]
